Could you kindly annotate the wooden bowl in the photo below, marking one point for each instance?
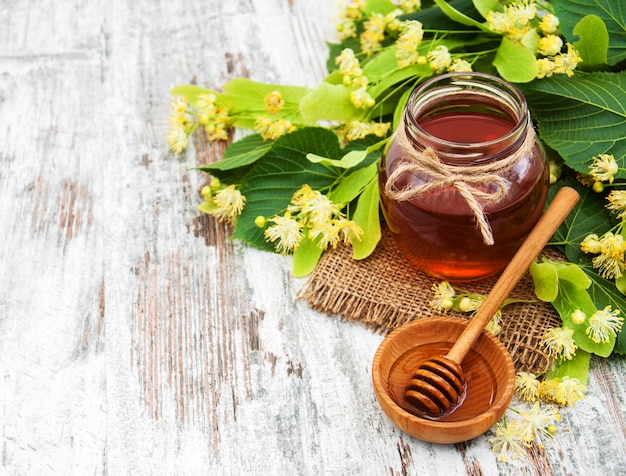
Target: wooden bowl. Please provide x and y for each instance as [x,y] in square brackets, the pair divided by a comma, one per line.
[488,370]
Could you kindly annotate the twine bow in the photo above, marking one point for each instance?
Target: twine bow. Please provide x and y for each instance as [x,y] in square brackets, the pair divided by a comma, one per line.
[466,179]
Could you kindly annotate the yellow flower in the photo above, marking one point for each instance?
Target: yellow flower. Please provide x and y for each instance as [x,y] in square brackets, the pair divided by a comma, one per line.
[527,386]
[460,66]
[270,129]
[549,24]
[591,244]
[374,33]
[617,203]
[410,6]
[545,67]
[350,231]
[361,99]
[560,342]
[603,323]
[493,325]
[317,209]
[578,317]
[565,63]
[328,234]
[229,202]
[444,293]
[603,168]
[610,261]
[538,423]
[439,58]
[522,11]
[499,22]
[177,138]
[286,233]
[563,391]
[408,43]
[550,45]
[274,102]
[509,442]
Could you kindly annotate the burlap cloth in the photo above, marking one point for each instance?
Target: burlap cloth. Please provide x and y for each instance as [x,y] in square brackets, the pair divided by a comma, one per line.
[384,291]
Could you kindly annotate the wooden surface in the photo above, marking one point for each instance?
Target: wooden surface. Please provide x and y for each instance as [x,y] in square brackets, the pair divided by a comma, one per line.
[134,337]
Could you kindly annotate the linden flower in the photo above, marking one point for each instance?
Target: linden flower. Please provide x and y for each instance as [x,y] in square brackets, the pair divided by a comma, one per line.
[178,110]
[549,24]
[578,317]
[349,66]
[272,130]
[444,293]
[603,168]
[318,209]
[563,391]
[469,304]
[229,202]
[274,102]
[439,59]
[603,323]
[493,325]
[550,45]
[374,33]
[560,342]
[538,424]
[617,203]
[286,233]
[460,66]
[350,231]
[361,99]
[509,442]
[522,11]
[591,244]
[565,63]
[410,6]
[409,41]
[177,138]
[545,67]
[499,22]
[353,130]
[527,386]
[610,261]
[328,234]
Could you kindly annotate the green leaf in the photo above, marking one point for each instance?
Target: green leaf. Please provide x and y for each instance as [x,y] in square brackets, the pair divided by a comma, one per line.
[486,6]
[256,91]
[240,153]
[349,160]
[353,185]
[515,63]
[305,257]
[611,12]
[582,116]
[189,91]
[458,16]
[367,217]
[594,42]
[328,102]
[573,274]
[546,281]
[272,180]
[577,368]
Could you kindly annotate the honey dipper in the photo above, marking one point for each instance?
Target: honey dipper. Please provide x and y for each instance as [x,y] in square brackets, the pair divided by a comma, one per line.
[438,384]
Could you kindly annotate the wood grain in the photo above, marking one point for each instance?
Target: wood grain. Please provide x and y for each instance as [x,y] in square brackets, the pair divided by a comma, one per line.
[135,338]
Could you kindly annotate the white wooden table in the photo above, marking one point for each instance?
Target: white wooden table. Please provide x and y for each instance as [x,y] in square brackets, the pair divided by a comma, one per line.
[134,337]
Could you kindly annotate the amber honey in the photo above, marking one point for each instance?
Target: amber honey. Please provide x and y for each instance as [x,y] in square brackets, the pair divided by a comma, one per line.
[480,382]
[437,230]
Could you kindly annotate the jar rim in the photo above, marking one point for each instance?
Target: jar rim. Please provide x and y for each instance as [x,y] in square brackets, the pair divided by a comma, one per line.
[494,86]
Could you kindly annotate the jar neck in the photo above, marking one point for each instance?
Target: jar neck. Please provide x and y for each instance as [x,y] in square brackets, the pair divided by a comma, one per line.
[467,118]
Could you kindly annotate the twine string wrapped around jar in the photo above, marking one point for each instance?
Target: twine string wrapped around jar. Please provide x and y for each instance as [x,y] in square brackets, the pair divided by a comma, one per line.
[467,179]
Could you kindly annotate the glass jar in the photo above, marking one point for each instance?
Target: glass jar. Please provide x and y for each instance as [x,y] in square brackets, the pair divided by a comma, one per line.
[464,178]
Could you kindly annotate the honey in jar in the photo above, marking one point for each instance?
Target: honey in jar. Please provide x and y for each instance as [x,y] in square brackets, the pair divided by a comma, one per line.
[464,178]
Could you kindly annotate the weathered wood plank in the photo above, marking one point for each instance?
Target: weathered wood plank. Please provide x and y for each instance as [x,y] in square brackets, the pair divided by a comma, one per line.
[135,338]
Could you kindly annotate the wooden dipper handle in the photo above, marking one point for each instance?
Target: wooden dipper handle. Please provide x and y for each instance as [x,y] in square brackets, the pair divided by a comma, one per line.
[547,225]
